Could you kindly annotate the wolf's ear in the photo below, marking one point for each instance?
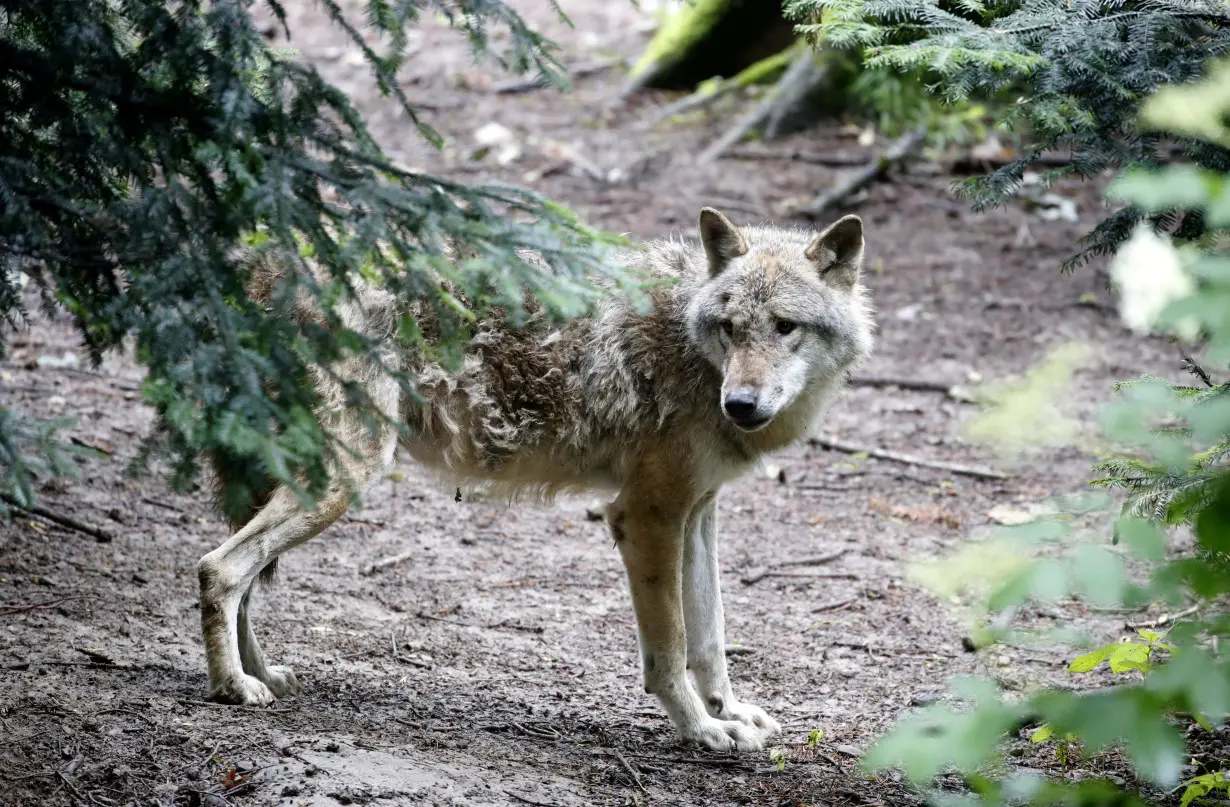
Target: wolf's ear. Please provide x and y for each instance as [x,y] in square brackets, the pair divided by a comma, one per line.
[838,251]
[721,239]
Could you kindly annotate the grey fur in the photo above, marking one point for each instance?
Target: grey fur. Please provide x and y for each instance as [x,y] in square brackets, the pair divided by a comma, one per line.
[644,405]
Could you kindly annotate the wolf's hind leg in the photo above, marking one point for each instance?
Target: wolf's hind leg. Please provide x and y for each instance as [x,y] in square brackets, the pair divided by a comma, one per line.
[280,680]
[706,627]
[647,522]
[237,669]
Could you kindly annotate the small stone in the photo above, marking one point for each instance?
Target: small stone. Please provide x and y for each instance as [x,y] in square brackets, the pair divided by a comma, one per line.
[849,750]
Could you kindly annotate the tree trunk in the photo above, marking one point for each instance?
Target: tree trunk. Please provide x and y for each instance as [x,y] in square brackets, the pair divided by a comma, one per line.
[710,38]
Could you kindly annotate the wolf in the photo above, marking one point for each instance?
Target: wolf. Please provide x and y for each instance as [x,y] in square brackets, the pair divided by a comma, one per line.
[737,356]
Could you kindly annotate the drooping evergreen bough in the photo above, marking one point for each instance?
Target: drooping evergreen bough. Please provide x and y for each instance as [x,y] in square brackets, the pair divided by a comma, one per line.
[1071,74]
[142,142]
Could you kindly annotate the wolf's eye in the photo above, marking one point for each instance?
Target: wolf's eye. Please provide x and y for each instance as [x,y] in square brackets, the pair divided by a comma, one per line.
[785,326]
[728,327]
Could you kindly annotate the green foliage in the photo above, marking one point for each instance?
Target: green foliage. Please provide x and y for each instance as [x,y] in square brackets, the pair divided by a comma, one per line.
[1198,787]
[1171,459]
[29,449]
[1077,71]
[897,102]
[1122,656]
[142,142]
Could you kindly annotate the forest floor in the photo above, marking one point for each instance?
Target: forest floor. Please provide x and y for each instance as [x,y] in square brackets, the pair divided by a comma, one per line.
[497,664]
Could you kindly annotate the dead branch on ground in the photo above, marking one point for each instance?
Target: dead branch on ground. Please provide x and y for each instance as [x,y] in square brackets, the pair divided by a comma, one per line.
[385,563]
[800,79]
[758,574]
[517,86]
[834,444]
[99,534]
[901,148]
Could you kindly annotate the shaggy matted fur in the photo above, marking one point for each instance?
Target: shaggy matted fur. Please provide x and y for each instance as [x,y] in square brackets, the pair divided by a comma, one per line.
[737,358]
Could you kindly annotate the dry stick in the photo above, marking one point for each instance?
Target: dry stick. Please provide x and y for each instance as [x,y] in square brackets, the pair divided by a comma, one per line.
[756,575]
[834,444]
[636,777]
[524,800]
[916,384]
[1163,619]
[1196,369]
[384,563]
[18,609]
[811,575]
[797,155]
[799,72]
[835,605]
[541,83]
[895,153]
[718,761]
[99,534]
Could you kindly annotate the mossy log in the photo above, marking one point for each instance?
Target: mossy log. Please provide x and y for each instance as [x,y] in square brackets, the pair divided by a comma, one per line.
[711,38]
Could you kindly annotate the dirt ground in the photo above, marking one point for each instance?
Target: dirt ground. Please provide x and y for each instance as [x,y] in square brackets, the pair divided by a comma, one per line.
[497,665]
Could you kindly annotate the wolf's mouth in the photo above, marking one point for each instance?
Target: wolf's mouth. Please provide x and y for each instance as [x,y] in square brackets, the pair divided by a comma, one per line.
[749,424]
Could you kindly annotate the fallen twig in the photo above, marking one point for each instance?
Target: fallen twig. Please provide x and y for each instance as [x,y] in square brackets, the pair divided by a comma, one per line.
[96,657]
[802,75]
[1163,619]
[540,83]
[1195,369]
[740,650]
[636,777]
[834,444]
[915,384]
[796,155]
[505,625]
[689,103]
[810,575]
[385,563]
[756,575]
[873,170]
[164,505]
[524,800]
[719,761]
[100,535]
[77,441]
[18,609]
[835,605]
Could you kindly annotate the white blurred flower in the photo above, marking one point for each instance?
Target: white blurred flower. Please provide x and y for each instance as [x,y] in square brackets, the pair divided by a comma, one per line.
[1148,274]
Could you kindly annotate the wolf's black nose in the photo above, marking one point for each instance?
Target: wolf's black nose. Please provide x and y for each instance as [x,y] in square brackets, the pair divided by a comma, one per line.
[740,403]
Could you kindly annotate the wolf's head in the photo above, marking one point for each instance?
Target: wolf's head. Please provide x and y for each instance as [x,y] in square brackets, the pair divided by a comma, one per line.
[781,311]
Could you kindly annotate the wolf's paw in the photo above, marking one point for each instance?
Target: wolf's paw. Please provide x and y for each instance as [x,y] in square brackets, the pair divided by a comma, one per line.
[745,713]
[724,735]
[282,681]
[242,690]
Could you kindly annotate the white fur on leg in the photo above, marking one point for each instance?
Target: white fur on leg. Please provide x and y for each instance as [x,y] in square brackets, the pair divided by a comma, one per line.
[706,627]
[668,679]
[227,573]
[280,680]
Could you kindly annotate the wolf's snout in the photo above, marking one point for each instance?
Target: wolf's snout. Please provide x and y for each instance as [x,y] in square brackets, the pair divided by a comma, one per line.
[741,403]
[741,407]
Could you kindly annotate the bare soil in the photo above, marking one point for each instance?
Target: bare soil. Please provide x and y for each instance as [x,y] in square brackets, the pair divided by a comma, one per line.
[497,664]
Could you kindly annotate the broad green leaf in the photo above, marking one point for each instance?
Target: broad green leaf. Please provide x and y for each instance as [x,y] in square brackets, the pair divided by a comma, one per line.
[1042,733]
[1129,656]
[1088,661]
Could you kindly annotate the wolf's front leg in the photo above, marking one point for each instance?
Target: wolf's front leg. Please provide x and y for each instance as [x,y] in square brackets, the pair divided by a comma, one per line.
[647,522]
[706,629]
